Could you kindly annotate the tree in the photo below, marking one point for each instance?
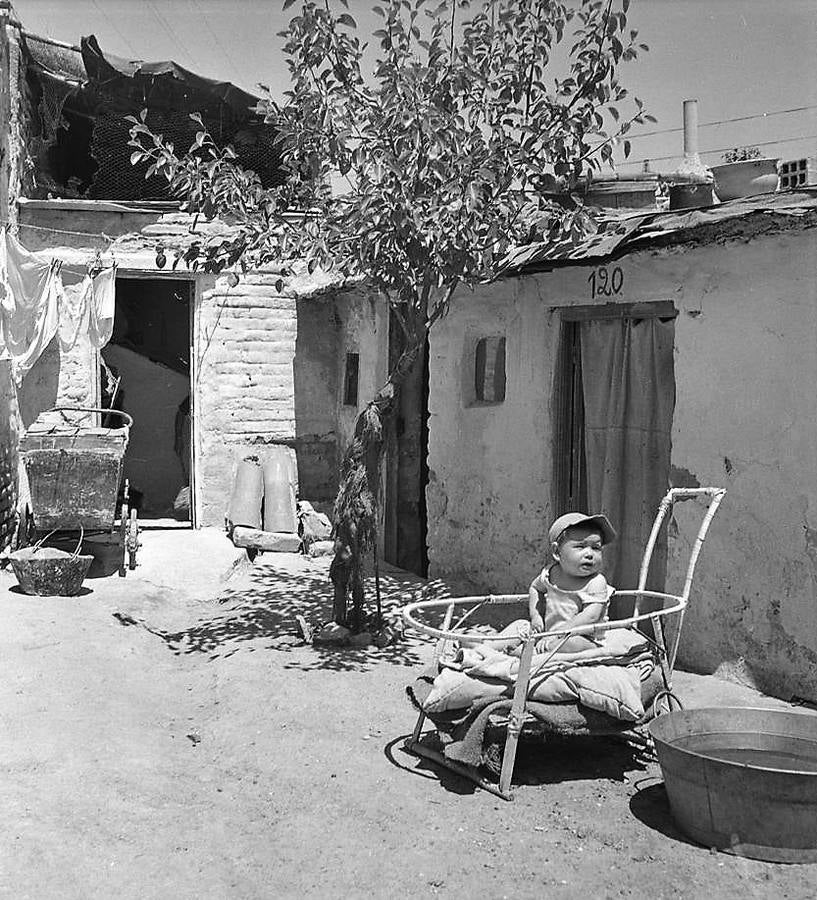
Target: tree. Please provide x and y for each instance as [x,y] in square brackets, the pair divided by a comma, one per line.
[460,145]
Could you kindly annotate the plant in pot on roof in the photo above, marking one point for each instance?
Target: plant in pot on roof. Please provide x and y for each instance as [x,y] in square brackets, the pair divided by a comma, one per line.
[744,173]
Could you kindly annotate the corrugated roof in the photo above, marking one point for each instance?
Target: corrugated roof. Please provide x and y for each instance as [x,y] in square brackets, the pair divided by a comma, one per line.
[619,235]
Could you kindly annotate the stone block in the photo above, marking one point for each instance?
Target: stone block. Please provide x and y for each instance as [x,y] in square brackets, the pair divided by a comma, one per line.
[314,526]
[332,634]
[268,541]
[321,548]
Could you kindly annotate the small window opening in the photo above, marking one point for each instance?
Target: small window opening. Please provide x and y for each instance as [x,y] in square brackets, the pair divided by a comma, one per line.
[489,370]
[350,379]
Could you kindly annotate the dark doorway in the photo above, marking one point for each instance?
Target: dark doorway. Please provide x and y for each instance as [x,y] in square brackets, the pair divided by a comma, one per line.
[614,407]
[407,466]
[146,373]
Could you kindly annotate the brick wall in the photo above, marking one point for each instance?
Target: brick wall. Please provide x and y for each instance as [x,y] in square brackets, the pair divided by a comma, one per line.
[265,374]
[269,369]
[59,379]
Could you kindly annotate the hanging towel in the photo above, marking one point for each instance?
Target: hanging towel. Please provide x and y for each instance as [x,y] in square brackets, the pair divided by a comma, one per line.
[88,308]
[29,306]
[102,307]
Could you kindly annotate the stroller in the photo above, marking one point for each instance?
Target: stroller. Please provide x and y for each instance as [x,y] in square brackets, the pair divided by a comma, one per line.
[518,714]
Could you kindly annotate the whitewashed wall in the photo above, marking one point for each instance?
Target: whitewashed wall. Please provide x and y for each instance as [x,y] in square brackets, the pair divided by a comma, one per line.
[745,419]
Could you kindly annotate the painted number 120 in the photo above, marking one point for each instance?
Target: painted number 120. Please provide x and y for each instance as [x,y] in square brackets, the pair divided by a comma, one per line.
[606,282]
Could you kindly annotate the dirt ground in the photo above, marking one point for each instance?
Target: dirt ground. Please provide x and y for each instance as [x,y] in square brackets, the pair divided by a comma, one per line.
[161,736]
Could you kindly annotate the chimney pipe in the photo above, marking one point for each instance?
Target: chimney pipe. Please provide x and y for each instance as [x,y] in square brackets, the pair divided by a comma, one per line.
[693,187]
[691,131]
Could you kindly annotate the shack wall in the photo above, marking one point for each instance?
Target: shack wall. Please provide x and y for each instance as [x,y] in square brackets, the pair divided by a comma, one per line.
[745,419]
[269,370]
[364,329]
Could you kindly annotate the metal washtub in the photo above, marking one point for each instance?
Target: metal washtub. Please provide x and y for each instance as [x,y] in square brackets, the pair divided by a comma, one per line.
[742,780]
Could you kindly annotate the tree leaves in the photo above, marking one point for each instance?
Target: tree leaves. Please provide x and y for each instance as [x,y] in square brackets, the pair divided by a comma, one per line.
[443,151]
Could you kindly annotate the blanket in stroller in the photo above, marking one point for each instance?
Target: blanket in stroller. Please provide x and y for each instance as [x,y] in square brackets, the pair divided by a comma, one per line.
[569,694]
[607,678]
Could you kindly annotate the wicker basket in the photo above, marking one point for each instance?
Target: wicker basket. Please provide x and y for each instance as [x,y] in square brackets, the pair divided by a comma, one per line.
[48,572]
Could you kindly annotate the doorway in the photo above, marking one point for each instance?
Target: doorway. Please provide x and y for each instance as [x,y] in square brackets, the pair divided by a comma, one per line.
[146,373]
[615,398]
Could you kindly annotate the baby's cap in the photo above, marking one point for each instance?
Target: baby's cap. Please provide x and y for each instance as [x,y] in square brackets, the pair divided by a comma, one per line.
[568,520]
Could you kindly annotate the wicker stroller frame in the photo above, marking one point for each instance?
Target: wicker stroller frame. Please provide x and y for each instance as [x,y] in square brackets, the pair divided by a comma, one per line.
[672,605]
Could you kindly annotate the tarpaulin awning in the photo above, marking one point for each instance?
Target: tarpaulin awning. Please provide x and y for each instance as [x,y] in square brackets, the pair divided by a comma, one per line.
[86,97]
[106,70]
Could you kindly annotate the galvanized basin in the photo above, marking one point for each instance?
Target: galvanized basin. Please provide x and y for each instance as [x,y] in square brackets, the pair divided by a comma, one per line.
[742,780]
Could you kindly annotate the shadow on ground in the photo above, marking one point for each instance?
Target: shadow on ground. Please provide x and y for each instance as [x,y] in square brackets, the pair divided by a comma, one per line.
[651,806]
[259,613]
[540,763]
[577,759]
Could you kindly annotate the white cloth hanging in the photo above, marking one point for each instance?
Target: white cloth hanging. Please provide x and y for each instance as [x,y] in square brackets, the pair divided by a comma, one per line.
[29,303]
[102,307]
[88,307]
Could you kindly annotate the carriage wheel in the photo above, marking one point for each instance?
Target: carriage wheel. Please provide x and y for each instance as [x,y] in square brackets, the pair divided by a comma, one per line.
[665,702]
[123,537]
[132,541]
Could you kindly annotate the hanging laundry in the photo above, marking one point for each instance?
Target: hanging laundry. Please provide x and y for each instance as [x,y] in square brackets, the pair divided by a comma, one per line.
[87,308]
[102,307]
[29,305]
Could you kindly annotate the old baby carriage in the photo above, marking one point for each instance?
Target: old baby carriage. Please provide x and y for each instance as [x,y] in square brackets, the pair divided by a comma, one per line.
[470,694]
[74,473]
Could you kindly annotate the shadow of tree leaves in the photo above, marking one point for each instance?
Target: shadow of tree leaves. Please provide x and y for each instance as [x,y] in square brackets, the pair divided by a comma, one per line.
[259,612]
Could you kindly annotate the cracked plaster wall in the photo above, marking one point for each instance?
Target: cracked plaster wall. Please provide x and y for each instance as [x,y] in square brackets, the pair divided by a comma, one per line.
[745,419]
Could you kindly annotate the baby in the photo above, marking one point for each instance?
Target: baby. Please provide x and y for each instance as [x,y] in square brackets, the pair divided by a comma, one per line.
[571,591]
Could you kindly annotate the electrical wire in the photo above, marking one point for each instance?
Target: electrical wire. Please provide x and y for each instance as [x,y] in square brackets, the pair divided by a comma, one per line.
[203,16]
[168,30]
[765,115]
[117,29]
[802,137]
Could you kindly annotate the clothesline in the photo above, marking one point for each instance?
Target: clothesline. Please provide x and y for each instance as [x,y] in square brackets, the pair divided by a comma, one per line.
[75,269]
[36,306]
[66,231]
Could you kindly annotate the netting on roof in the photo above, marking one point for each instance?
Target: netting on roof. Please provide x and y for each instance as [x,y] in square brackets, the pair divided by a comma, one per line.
[51,78]
[81,144]
[117,179]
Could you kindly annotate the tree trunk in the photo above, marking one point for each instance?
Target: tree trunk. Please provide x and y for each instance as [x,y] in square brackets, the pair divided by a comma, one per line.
[358,499]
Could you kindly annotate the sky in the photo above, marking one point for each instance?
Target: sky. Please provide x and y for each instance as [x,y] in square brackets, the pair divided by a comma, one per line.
[749,60]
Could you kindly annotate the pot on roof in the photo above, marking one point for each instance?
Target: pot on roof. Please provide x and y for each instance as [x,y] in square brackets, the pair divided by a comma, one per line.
[745,178]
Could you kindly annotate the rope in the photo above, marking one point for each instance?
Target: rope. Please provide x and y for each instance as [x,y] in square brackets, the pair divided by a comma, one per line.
[66,231]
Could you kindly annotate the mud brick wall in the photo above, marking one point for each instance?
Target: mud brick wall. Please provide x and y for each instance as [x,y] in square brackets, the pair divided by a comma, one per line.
[266,373]
[60,379]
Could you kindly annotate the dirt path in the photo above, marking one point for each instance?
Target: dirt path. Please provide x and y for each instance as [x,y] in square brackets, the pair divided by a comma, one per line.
[156,744]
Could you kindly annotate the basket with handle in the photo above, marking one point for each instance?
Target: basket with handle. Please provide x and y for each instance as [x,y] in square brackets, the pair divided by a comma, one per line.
[49,572]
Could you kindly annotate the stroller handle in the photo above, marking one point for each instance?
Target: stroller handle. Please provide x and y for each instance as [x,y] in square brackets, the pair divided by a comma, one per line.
[128,420]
